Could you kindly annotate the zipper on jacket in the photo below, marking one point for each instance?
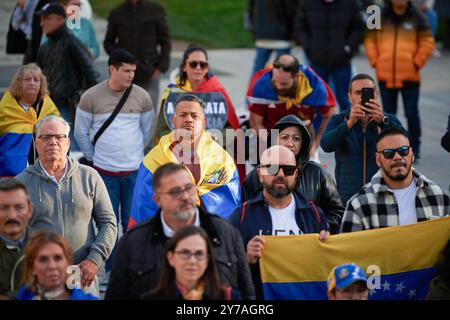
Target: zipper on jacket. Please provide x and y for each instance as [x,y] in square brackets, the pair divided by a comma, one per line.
[13,273]
[60,209]
[394,54]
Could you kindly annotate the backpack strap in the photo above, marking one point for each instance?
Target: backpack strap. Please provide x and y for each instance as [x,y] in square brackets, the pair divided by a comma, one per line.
[244,206]
[313,205]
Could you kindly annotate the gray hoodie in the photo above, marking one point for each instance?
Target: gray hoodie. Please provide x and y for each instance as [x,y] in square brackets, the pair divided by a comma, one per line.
[72,208]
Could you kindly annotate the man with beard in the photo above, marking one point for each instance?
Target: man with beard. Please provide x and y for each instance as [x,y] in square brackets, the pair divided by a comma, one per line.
[211,166]
[140,253]
[397,194]
[313,182]
[278,209]
[289,88]
[15,212]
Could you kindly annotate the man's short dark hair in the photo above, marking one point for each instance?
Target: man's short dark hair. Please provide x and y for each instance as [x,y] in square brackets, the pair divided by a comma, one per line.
[12,184]
[165,170]
[190,98]
[391,132]
[119,57]
[360,76]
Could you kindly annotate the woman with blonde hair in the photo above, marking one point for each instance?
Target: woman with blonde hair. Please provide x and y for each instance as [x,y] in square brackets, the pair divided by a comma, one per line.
[21,107]
[47,258]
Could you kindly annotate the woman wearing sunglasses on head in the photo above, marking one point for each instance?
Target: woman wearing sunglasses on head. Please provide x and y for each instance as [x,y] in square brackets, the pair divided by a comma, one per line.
[190,271]
[47,258]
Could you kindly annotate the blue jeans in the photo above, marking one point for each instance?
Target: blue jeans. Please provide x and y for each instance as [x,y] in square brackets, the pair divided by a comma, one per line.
[68,115]
[410,96]
[432,18]
[120,190]
[263,55]
[341,78]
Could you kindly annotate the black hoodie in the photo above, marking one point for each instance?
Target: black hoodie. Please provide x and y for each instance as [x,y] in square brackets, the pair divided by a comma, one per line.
[314,183]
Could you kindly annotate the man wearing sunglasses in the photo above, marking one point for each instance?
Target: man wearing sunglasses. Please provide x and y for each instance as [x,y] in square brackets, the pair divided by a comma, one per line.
[278,209]
[397,194]
[289,88]
[140,253]
[313,182]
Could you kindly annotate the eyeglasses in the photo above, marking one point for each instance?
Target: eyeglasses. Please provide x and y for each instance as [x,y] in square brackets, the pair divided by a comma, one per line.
[177,192]
[186,254]
[286,68]
[390,153]
[193,64]
[273,169]
[48,137]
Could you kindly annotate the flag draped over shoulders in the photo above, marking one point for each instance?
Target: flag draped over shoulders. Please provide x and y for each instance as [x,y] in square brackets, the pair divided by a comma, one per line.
[218,186]
[311,90]
[16,132]
[297,267]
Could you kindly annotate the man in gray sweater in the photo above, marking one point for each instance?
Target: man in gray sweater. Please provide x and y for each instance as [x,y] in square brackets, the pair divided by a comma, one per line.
[70,198]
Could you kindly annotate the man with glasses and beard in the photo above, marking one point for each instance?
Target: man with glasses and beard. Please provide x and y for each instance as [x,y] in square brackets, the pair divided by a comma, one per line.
[15,212]
[278,209]
[289,88]
[138,262]
[397,194]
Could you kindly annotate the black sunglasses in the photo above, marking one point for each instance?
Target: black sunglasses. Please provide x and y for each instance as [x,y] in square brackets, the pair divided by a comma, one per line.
[286,68]
[390,153]
[193,64]
[273,169]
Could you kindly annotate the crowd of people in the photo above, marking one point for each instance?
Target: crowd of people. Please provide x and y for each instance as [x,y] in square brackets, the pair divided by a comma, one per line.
[159,200]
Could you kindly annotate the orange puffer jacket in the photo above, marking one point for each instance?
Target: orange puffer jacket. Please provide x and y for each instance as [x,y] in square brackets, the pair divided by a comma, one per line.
[401,47]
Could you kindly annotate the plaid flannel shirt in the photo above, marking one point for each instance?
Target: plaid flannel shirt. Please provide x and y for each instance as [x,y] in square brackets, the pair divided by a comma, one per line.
[375,206]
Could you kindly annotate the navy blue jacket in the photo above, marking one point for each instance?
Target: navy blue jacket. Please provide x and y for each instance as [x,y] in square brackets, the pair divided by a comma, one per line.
[354,151]
[254,215]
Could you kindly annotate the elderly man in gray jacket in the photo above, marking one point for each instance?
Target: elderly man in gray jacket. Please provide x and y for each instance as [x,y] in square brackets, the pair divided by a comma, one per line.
[70,198]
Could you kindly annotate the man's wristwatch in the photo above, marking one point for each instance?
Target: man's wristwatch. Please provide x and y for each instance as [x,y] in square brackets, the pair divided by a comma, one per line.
[385,120]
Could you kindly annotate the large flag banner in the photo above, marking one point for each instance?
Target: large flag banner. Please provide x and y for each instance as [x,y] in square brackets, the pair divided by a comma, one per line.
[297,267]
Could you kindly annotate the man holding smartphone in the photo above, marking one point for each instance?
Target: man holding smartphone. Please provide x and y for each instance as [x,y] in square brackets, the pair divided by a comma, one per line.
[351,135]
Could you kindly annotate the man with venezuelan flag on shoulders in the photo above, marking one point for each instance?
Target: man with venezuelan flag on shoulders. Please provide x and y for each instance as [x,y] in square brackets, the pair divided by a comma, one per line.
[212,168]
[290,88]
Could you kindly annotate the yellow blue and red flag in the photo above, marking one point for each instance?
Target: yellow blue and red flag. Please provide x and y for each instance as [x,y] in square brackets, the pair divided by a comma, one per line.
[297,267]
[16,132]
[218,187]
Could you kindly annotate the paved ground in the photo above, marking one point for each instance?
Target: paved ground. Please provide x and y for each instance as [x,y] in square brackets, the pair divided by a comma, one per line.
[233,68]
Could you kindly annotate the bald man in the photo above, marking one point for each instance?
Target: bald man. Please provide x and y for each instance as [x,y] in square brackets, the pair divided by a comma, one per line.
[277,209]
[289,88]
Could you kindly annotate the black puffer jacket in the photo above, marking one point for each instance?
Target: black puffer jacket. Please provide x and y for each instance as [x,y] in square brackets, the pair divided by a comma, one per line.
[66,63]
[140,29]
[273,19]
[138,261]
[314,183]
[324,29]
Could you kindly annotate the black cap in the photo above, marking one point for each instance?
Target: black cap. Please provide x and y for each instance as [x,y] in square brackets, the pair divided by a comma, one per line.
[52,8]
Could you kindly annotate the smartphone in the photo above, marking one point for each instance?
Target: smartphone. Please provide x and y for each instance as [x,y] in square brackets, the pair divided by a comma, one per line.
[366,95]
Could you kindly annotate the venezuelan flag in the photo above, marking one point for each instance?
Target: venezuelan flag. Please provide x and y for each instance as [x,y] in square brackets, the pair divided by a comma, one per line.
[297,267]
[219,189]
[16,132]
[311,91]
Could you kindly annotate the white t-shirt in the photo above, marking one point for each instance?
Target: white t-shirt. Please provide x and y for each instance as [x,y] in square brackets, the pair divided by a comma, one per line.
[283,220]
[406,199]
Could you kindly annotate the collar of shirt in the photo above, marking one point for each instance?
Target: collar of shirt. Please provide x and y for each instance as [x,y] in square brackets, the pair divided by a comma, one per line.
[168,232]
[12,244]
[53,177]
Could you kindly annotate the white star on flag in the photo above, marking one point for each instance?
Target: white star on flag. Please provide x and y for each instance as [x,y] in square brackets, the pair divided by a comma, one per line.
[400,287]
[411,293]
[386,286]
